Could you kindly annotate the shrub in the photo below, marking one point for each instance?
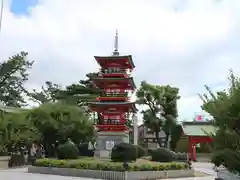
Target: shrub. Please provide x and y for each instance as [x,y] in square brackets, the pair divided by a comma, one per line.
[123,152]
[84,151]
[67,151]
[181,156]
[162,155]
[141,151]
[92,164]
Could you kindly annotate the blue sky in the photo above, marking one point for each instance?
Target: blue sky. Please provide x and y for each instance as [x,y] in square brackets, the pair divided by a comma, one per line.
[20,7]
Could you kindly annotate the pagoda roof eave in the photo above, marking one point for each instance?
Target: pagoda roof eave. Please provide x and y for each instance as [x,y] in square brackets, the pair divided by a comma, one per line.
[129,57]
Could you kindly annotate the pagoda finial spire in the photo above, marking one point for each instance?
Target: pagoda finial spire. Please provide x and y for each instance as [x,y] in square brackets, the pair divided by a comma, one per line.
[115,52]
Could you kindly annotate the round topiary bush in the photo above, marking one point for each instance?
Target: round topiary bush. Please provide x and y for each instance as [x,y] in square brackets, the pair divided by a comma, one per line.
[141,151]
[84,151]
[162,155]
[67,151]
[123,152]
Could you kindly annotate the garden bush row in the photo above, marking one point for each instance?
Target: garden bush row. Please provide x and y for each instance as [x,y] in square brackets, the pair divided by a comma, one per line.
[121,152]
[166,155]
[128,152]
[108,166]
[69,150]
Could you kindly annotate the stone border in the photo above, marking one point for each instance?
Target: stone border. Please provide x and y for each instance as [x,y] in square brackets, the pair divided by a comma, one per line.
[113,175]
[222,173]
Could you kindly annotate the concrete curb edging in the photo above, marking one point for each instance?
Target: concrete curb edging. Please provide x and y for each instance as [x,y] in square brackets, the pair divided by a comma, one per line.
[113,175]
[225,174]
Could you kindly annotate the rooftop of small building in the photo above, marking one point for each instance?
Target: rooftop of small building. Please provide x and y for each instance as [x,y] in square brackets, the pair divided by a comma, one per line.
[198,128]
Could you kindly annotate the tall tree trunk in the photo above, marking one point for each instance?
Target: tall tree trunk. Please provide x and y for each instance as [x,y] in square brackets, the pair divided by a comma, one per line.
[158,138]
[166,140]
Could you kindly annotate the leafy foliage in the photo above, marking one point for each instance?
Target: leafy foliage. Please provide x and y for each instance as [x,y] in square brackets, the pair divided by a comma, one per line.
[224,108]
[81,93]
[13,74]
[57,122]
[161,109]
[15,130]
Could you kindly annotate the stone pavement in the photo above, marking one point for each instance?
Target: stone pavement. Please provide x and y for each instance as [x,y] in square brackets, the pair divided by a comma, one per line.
[16,174]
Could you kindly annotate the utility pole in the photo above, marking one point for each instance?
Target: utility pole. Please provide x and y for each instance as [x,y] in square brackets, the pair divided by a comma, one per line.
[135,130]
[1,15]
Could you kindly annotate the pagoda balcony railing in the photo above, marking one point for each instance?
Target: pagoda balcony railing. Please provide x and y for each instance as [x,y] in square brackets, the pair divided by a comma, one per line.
[114,94]
[111,122]
[114,70]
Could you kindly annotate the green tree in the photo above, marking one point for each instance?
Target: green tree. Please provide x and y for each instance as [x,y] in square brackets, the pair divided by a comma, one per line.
[161,109]
[224,108]
[49,93]
[13,74]
[80,93]
[59,121]
[15,129]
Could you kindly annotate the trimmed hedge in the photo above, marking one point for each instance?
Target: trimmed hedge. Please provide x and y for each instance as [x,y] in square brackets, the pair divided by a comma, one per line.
[162,155]
[67,151]
[166,155]
[84,151]
[108,166]
[141,151]
[124,152]
[180,156]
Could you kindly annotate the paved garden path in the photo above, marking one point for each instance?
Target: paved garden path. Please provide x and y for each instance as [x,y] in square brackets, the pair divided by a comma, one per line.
[206,168]
[16,174]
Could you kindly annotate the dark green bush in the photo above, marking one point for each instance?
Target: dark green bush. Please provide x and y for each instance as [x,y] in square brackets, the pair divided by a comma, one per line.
[123,152]
[67,151]
[141,151]
[84,151]
[108,165]
[162,155]
[149,151]
[181,156]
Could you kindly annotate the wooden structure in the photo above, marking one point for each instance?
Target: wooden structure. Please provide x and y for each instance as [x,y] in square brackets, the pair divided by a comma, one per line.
[113,106]
[197,132]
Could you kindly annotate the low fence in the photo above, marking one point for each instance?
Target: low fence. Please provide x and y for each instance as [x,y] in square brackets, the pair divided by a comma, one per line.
[135,175]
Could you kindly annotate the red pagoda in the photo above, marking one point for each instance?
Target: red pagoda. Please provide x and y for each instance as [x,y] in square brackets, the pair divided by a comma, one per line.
[113,106]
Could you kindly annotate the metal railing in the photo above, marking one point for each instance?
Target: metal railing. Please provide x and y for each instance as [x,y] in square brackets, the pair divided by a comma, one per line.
[114,94]
[113,70]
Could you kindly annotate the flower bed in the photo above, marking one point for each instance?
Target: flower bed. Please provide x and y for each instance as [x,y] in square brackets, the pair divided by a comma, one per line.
[105,169]
[106,165]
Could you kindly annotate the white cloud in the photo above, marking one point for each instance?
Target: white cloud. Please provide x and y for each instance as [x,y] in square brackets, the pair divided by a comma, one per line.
[182,43]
